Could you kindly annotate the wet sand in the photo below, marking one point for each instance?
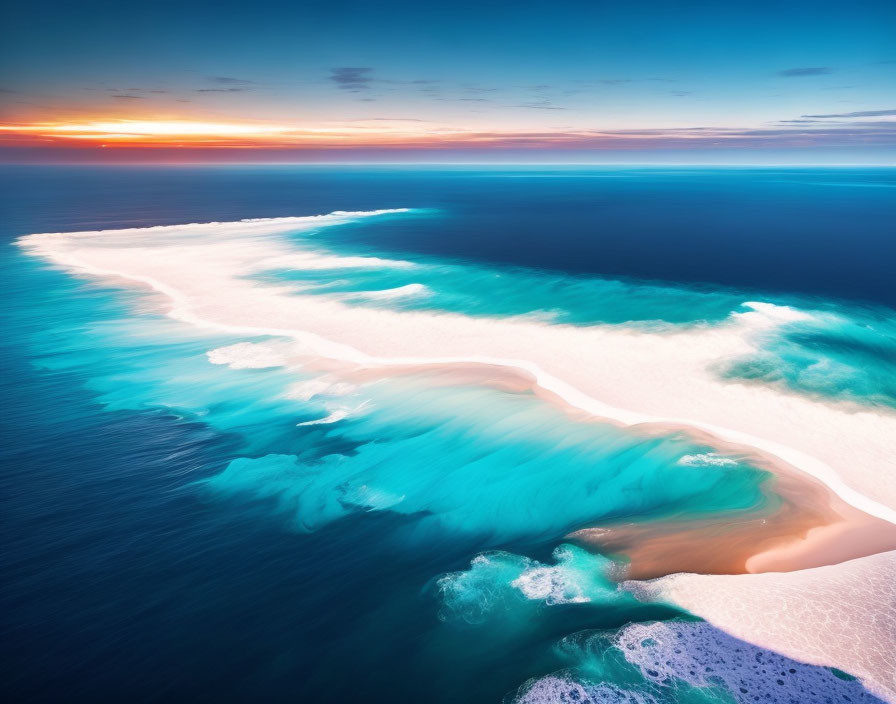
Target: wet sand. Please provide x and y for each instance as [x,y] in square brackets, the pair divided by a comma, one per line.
[803,525]
[790,538]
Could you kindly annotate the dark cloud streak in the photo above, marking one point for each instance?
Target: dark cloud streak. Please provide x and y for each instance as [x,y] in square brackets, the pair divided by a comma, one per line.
[352,78]
[806,71]
[229,80]
[860,113]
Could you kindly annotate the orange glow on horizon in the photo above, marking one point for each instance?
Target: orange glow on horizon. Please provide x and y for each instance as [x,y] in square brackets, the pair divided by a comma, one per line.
[200,133]
[150,128]
[144,132]
[392,134]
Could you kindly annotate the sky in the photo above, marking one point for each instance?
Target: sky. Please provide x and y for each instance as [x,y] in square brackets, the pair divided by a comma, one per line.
[714,82]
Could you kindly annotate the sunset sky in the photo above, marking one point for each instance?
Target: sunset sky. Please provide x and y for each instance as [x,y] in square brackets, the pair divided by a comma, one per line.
[739,82]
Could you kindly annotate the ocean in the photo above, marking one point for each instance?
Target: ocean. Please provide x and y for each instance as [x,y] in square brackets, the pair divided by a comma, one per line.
[342,451]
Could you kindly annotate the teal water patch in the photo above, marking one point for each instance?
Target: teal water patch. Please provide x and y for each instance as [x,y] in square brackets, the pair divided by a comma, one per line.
[687,662]
[462,286]
[477,290]
[844,352]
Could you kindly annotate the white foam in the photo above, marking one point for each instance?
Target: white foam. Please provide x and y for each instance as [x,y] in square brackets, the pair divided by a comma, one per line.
[315,261]
[498,581]
[307,390]
[706,459]
[703,656]
[336,414]
[411,290]
[246,355]
[550,585]
[559,689]
[238,228]
[372,498]
[677,659]
[764,315]
[577,578]
[334,417]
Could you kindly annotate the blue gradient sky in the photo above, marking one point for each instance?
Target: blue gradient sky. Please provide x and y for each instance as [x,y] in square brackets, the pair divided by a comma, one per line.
[364,80]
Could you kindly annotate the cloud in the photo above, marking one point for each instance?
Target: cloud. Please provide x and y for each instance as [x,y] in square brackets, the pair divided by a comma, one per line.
[229,80]
[476,88]
[806,71]
[128,97]
[541,105]
[388,119]
[623,81]
[860,113]
[228,84]
[681,93]
[353,78]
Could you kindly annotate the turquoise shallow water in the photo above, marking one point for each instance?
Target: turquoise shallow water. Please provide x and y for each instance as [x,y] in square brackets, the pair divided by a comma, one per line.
[178,528]
[440,284]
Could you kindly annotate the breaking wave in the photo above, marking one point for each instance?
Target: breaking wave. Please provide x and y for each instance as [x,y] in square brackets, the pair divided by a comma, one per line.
[504,581]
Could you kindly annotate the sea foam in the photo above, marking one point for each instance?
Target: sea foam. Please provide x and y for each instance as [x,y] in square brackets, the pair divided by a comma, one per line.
[683,661]
[707,459]
[500,581]
[246,355]
[841,615]
[414,289]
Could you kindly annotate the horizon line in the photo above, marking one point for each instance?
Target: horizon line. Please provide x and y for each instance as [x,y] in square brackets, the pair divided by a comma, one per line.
[450,163]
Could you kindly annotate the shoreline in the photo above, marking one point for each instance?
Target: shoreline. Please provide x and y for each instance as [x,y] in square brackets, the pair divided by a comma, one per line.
[842,453]
[839,518]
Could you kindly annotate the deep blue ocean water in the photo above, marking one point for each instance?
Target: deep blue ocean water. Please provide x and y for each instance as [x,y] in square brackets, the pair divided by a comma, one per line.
[170,533]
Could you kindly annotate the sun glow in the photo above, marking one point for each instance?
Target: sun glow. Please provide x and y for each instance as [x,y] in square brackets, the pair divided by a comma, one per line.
[169,128]
[146,129]
[199,133]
